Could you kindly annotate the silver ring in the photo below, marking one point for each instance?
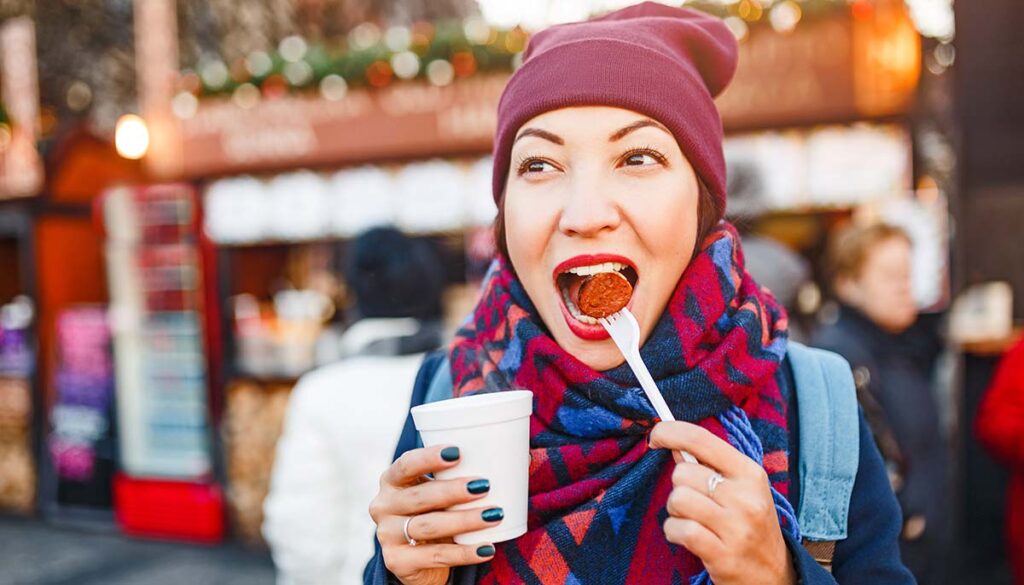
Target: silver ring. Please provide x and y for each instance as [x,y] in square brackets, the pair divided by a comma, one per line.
[405,532]
[713,481]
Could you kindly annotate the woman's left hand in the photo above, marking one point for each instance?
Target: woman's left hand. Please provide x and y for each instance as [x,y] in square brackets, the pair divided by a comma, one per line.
[734,530]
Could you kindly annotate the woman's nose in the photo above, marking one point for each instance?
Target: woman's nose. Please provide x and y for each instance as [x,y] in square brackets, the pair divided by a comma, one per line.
[588,212]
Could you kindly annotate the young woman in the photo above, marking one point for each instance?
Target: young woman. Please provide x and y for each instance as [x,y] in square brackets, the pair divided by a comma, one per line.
[608,157]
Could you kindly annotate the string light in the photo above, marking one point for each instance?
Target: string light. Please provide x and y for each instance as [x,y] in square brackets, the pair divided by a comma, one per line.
[440,52]
[131,137]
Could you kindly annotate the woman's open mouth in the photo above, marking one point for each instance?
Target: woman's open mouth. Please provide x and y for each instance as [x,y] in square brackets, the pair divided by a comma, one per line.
[570,277]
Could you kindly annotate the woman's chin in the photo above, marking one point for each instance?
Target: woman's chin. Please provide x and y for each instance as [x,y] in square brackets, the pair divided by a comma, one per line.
[599,356]
[591,346]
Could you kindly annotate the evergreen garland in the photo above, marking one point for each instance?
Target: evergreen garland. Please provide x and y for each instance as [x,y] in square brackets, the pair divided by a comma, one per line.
[467,47]
[489,50]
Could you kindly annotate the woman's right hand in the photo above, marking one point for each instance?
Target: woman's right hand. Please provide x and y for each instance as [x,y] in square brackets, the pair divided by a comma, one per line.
[406,492]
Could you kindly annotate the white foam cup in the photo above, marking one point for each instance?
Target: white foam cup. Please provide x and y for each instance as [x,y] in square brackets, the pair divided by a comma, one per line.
[492,432]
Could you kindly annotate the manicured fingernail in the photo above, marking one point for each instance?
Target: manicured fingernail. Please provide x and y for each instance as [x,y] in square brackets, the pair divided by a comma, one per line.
[478,486]
[450,453]
[492,514]
[485,551]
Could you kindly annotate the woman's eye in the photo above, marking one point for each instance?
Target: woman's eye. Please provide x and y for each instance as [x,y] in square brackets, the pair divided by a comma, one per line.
[639,159]
[537,166]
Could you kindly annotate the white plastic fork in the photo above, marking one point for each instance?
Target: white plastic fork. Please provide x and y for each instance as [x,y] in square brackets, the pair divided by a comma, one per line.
[625,332]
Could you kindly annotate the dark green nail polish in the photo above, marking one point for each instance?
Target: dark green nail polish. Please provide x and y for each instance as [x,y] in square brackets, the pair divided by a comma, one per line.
[485,551]
[450,453]
[478,486]
[492,514]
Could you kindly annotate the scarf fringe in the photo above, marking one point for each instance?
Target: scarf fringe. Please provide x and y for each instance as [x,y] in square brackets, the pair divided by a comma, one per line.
[742,436]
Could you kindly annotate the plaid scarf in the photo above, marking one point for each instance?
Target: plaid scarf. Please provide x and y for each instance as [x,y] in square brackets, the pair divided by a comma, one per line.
[597,492]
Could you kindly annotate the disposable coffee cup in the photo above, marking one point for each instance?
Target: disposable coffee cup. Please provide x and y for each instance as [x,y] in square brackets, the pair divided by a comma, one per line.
[492,432]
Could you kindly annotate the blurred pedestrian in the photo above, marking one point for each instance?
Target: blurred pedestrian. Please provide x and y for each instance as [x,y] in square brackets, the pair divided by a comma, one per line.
[894,358]
[773,264]
[1000,428]
[343,419]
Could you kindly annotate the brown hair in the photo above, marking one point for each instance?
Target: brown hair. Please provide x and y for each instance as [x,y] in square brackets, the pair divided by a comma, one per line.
[849,248]
[709,212]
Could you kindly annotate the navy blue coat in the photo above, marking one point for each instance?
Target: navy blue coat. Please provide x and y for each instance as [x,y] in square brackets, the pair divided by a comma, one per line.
[869,555]
[899,376]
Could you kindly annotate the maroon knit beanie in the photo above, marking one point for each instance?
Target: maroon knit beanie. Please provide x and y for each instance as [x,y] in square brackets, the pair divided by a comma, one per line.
[667,63]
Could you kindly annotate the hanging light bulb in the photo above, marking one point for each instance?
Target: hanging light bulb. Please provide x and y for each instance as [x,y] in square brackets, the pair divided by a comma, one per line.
[131,137]
[785,16]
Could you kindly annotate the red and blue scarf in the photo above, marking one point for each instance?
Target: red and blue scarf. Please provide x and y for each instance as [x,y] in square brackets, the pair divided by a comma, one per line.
[597,492]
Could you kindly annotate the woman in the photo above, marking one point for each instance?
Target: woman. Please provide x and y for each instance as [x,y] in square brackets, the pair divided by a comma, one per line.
[893,355]
[609,155]
[1000,430]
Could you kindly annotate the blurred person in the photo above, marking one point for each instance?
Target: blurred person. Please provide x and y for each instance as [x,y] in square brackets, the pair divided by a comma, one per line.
[773,264]
[894,359]
[1000,428]
[344,418]
[608,160]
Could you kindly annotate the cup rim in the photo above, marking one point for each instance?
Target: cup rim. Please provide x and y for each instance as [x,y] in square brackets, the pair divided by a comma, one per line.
[475,410]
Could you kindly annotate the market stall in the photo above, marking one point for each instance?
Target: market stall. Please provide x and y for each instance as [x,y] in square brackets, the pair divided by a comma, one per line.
[298,149]
[21,175]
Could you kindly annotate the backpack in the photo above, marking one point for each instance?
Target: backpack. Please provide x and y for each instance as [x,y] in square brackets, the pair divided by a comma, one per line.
[829,428]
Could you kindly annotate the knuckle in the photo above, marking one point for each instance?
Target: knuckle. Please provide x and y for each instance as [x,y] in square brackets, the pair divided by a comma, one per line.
[393,564]
[375,509]
[674,530]
[679,475]
[676,502]
[469,555]
[657,433]
[427,528]
[438,558]
[757,472]
[743,532]
[403,466]
[416,498]
[760,506]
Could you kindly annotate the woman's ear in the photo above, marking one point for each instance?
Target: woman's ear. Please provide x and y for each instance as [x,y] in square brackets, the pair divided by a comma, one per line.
[849,291]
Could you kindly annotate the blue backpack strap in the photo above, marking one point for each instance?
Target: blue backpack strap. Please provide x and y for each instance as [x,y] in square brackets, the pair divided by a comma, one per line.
[441,384]
[829,442]
[440,388]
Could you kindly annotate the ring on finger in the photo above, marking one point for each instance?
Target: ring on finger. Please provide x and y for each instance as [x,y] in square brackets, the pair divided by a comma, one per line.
[714,480]
[405,532]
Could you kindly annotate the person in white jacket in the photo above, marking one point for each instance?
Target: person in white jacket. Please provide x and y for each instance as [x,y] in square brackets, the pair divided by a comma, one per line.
[344,419]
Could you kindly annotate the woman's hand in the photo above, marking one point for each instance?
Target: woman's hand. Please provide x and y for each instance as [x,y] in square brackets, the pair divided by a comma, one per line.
[734,530]
[407,494]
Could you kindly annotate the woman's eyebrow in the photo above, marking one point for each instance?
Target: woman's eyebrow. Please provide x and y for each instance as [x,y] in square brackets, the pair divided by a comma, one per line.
[636,126]
[540,134]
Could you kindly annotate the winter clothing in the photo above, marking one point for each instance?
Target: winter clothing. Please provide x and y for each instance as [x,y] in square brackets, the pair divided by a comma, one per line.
[668,63]
[715,352]
[868,554]
[338,437]
[597,492]
[895,374]
[1000,428]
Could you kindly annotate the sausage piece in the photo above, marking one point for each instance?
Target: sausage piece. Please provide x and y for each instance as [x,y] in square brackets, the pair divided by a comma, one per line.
[604,294]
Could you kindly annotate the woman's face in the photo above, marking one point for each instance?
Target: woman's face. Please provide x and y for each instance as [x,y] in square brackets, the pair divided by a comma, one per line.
[590,186]
[882,291]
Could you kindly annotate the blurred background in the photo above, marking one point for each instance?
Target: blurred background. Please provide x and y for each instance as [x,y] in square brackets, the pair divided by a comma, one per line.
[181,181]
